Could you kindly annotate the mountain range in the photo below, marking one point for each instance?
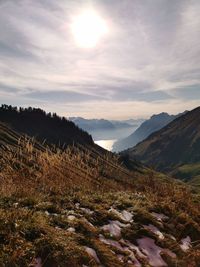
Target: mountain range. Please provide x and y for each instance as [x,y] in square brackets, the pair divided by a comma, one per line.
[155,123]
[102,129]
[102,124]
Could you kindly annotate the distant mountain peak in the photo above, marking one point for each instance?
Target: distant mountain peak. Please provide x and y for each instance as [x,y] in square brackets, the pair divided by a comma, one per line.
[155,123]
[160,115]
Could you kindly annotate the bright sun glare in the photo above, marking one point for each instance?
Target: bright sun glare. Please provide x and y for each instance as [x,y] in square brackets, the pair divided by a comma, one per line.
[88,28]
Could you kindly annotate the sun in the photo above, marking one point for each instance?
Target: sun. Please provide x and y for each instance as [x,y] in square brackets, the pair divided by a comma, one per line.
[88,28]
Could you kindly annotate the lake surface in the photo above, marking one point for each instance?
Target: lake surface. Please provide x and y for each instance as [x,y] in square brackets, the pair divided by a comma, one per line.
[107,144]
[106,138]
[111,134]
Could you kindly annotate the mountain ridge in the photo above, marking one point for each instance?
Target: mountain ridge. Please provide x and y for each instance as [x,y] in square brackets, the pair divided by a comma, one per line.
[155,123]
[43,126]
[174,145]
[97,124]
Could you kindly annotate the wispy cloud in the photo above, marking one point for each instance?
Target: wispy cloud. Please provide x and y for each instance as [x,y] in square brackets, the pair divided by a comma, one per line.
[188,93]
[62,96]
[149,60]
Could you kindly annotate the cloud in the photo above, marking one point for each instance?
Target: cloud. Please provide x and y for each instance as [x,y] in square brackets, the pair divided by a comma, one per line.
[150,56]
[61,96]
[145,96]
[188,93]
[8,89]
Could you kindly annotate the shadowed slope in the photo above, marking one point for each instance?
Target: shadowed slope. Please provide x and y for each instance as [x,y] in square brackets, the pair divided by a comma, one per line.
[44,126]
[176,144]
[155,123]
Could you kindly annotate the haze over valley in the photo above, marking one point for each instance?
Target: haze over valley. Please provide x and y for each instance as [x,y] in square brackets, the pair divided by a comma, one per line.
[106,132]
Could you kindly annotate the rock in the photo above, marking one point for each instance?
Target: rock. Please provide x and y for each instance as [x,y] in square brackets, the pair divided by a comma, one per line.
[186,243]
[87,211]
[154,230]
[159,216]
[38,262]
[152,251]
[114,228]
[71,218]
[125,215]
[92,253]
[71,230]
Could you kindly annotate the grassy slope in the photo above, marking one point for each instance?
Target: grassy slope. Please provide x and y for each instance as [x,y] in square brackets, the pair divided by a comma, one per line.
[174,149]
[189,173]
[40,189]
[8,136]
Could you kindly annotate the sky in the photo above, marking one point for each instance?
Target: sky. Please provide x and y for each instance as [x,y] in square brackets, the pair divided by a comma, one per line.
[147,62]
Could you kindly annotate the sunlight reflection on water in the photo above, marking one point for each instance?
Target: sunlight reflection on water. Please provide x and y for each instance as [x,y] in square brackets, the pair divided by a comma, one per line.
[107,144]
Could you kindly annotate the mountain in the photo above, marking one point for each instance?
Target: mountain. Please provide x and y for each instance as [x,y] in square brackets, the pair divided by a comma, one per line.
[99,124]
[127,123]
[102,129]
[44,126]
[93,124]
[134,121]
[174,146]
[155,123]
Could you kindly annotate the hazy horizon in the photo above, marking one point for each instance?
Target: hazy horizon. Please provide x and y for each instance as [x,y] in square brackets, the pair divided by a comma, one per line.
[99,118]
[99,59]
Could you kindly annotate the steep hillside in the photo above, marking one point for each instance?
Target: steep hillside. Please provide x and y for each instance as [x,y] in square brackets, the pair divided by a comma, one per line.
[10,139]
[155,123]
[80,207]
[45,127]
[175,145]
[8,136]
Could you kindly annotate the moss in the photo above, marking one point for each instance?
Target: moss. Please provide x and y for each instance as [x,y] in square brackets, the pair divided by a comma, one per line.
[85,228]
[169,260]
[59,221]
[32,233]
[49,206]
[59,250]
[105,255]
[28,202]
[142,216]
[101,217]
[136,232]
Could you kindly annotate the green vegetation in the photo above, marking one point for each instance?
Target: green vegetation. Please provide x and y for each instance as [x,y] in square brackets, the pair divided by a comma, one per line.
[174,149]
[189,173]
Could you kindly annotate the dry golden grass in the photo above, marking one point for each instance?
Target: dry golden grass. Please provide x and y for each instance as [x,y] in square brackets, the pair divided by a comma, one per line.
[26,171]
[34,181]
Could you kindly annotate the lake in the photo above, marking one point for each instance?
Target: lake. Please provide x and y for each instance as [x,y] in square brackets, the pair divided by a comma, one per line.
[107,144]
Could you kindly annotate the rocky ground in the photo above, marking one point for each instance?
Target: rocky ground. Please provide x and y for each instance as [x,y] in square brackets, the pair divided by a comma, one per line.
[97,230]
